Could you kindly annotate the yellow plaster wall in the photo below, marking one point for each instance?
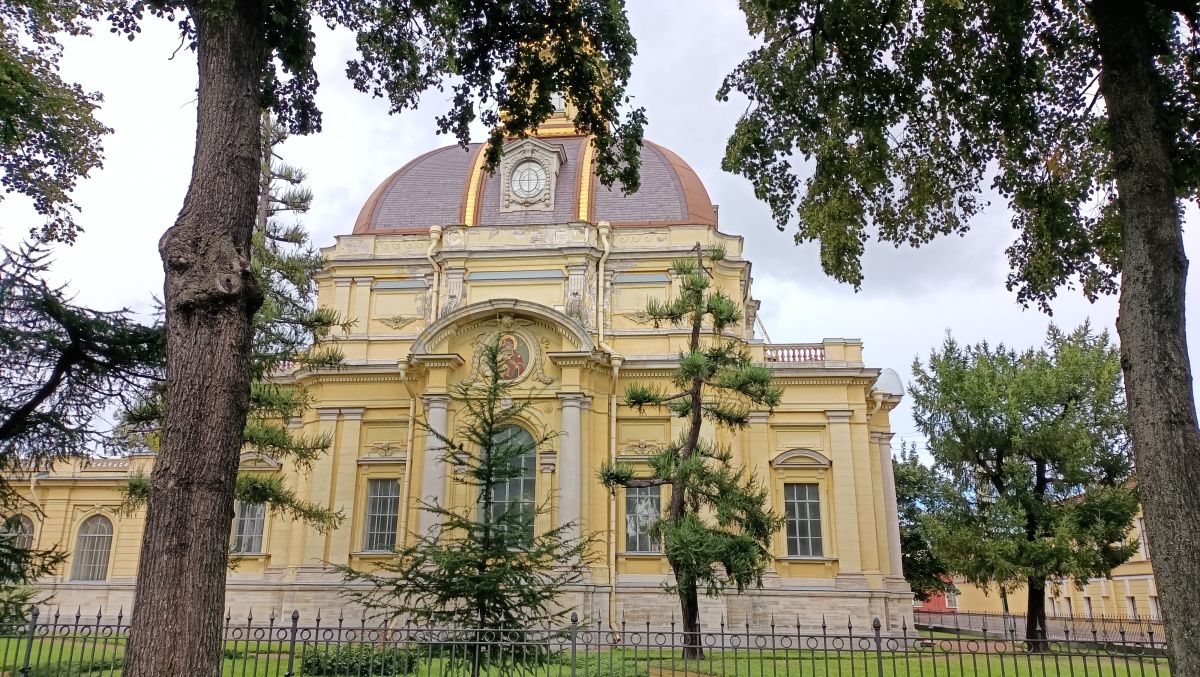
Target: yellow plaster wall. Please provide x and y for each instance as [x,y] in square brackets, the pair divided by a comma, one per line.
[377,282]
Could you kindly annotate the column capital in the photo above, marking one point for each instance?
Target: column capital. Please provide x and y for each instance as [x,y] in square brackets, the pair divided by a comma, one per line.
[328,413]
[880,437]
[366,279]
[574,399]
[759,417]
[436,401]
[839,415]
[352,413]
[342,281]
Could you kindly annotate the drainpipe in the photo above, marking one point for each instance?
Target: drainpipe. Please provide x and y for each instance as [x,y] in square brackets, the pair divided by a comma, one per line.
[603,229]
[435,238]
[406,489]
[615,359]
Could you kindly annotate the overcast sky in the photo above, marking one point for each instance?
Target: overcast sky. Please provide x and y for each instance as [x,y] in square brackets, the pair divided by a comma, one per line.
[908,301]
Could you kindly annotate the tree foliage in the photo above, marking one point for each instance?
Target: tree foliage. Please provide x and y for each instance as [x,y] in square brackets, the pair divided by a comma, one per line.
[291,333]
[718,526]
[49,135]
[1035,448]
[908,110]
[507,61]
[64,365]
[919,492]
[485,565]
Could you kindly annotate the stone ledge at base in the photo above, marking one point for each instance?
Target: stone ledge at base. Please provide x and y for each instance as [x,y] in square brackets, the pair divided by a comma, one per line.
[636,605]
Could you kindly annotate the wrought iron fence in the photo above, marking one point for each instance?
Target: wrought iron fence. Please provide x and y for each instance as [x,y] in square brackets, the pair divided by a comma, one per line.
[1119,629]
[79,646]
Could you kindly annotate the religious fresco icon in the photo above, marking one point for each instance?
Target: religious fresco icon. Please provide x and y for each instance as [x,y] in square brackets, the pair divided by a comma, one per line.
[513,357]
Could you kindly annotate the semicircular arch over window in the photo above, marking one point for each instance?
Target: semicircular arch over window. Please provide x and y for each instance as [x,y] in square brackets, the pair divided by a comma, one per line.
[93,545]
[20,529]
[515,493]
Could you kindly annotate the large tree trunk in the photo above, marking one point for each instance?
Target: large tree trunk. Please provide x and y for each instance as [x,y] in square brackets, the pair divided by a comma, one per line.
[210,298]
[689,601]
[1035,615]
[1154,352]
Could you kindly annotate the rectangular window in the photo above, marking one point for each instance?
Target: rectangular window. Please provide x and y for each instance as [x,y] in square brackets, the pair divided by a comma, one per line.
[1131,606]
[1070,608]
[383,510]
[248,522]
[1155,611]
[951,600]
[802,505]
[1143,546]
[643,507]
[1087,606]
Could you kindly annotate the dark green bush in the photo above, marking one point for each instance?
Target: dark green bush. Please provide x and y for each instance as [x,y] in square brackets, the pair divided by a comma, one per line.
[358,659]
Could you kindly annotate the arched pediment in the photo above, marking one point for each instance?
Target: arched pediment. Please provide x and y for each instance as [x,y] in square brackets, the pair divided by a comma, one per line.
[433,339]
[800,458]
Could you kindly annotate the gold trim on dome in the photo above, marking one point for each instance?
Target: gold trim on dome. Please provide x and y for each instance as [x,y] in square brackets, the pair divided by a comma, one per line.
[585,179]
[470,213]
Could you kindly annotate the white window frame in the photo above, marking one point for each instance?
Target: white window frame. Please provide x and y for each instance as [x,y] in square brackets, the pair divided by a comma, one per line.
[248,534]
[381,514]
[793,503]
[643,507]
[93,549]
[20,529]
[519,492]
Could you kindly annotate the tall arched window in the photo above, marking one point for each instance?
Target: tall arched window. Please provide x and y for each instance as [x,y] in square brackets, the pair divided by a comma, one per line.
[20,529]
[517,494]
[92,548]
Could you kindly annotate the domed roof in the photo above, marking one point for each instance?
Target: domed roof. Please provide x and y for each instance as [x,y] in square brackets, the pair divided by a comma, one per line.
[448,186]
[889,383]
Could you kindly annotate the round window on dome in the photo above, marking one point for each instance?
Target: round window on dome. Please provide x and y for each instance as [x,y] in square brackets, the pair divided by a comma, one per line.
[528,179]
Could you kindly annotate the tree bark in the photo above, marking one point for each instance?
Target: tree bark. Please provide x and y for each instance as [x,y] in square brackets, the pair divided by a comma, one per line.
[689,601]
[1154,355]
[1035,616]
[210,297]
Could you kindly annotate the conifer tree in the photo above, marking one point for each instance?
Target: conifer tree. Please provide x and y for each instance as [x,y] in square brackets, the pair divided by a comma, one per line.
[1036,452]
[290,333]
[919,490]
[485,565]
[718,526]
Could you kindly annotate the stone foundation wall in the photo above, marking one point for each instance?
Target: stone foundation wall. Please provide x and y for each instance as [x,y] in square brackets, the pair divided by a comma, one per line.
[787,609]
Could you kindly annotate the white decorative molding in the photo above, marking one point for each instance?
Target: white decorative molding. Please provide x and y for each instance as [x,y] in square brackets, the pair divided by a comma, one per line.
[546,158]
[805,458]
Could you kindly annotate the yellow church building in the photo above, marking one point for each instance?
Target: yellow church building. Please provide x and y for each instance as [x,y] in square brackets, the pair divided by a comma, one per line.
[445,256]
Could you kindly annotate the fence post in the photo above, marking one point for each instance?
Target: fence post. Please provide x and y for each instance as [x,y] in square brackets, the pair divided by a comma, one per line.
[291,671]
[574,640]
[878,647]
[29,643]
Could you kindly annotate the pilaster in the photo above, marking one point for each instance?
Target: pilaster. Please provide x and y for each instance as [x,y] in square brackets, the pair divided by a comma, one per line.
[845,499]
[433,470]
[890,511]
[343,479]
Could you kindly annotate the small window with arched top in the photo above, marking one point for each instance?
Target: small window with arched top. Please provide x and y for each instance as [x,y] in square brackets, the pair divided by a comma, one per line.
[93,546]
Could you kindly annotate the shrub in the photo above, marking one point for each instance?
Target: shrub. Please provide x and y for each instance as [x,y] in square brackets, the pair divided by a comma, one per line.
[358,659]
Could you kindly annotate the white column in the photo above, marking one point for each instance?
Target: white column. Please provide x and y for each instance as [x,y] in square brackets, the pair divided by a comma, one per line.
[433,472]
[890,515]
[570,465]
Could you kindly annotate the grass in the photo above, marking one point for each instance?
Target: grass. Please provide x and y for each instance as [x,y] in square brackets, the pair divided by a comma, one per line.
[86,657]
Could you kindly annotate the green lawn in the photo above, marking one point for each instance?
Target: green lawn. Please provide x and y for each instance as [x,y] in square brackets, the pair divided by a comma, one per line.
[80,657]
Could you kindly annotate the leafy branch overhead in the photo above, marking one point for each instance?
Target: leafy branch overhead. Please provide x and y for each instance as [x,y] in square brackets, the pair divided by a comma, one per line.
[717,530]
[507,60]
